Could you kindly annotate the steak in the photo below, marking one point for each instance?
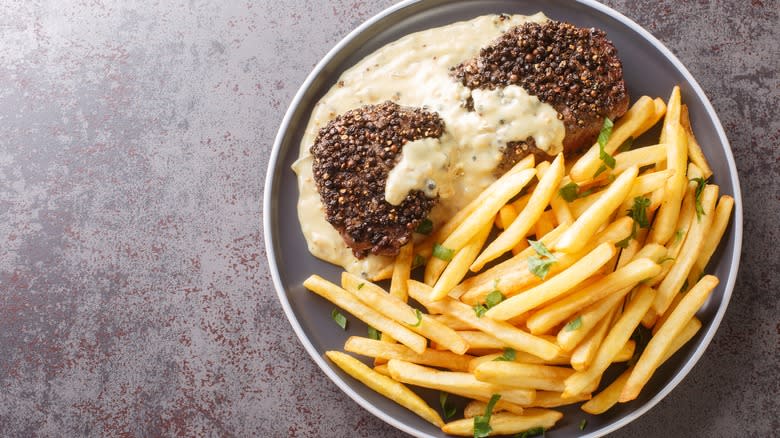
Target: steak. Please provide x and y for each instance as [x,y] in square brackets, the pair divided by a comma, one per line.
[574,70]
[353,155]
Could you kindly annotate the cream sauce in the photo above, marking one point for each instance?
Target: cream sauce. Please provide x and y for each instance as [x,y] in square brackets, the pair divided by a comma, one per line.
[415,71]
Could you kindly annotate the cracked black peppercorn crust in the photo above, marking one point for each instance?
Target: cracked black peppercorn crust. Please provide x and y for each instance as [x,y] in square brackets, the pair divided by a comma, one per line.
[575,70]
[353,155]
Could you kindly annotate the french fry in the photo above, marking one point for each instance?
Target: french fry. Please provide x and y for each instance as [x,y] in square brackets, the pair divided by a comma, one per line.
[645,184]
[402,271]
[590,318]
[517,230]
[476,407]
[637,116]
[379,349]
[699,230]
[505,216]
[694,150]
[660,111]
[451,322]
[549,399]
[560,207]
[684,221]
[521,375]
[351,304]
[609,396]
[509,334]
[397,310]
[554,287]
[718,227]
[382,369]
[639,157]
[520,357]
[583,354]
[544,225]
[384,273]
[464,384]
[653,354]
[481,341]
[507,424]
[578,234]
[386,386]
[484,213]
[616,282]
[459,265]
[617,337]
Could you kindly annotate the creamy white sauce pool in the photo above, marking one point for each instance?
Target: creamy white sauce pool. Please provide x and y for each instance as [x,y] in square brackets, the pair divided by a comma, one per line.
[415,71]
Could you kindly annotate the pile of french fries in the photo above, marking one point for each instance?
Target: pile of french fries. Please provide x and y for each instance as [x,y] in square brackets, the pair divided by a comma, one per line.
[585,253]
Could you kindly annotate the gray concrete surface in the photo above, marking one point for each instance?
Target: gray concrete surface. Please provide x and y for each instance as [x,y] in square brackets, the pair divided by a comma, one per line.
[134,294]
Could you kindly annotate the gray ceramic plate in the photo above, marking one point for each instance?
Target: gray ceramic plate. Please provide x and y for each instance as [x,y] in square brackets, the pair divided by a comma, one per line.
[649,68]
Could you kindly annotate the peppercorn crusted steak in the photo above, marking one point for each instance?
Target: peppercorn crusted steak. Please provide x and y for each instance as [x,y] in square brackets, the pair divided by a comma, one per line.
[353,155]
[574,70]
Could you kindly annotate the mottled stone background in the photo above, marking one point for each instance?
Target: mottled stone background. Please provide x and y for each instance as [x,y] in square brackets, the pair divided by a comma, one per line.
[134,293]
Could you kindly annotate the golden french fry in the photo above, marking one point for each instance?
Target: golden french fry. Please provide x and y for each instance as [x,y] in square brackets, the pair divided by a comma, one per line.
[718,227]
[384,273]
[397,310]
[694,150]
[521,357]
[507,333]
[464,384]
[544,225]
[617,337]
[507,424]
[379,349]
[548,399]
[673,110]
[684,221]
[516,231]
[386,386]
[459,265]
[645,184]
[616,282]
[609,396]
[583,354]
[451,322]
[523,375]
[660,111]
[637,116]
[403,268]
[351,304]
[476,407]
[382,369]
[556,286]
[484,213]
[512,274]
[625,353]
[653,355]
[590,318]
[506,215]
[578,234]
[699,230]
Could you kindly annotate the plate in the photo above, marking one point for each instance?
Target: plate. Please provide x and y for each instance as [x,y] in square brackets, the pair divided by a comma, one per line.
[649,68]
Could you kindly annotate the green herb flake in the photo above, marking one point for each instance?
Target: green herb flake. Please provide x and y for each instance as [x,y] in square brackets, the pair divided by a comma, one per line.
[340,319]
[540,266]
[540,248]
[574,324]
[419,319]
[637,212]
[600,170]
[360,286]
[374,333]
[418,261]
[583,424]
[569,192]
[700,184]
[493,298]
[482,422]
[446,408]
[624,243]
[443,253]
[606,132]
[536,431]
[480,310]
[678,235]
[425,227]
[508,356]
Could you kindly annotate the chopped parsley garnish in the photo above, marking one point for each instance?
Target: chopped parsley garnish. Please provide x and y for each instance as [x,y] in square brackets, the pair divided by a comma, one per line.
[583,423]
[493,298]
[508,356]
[340,319]
[419,319]
[638,212]
[480,310]
[606,158]
[700,184]
[482,422]
[374,333]
[539,265]
[360,286]
[425,227]
[448,409]
[418,261]
[442,253]
[678,235]
[569,192]
[574,324]
[536,431]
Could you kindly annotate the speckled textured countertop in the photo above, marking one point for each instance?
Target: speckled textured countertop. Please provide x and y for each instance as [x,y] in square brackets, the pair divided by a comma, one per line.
[134,294]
